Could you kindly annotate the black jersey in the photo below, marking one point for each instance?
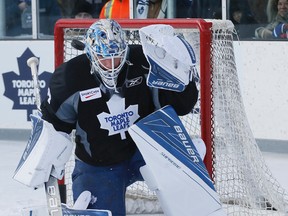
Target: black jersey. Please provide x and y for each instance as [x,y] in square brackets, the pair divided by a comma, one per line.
[78,100]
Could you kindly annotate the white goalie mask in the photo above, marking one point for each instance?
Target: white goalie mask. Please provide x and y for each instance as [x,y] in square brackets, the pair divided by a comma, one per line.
[105,42]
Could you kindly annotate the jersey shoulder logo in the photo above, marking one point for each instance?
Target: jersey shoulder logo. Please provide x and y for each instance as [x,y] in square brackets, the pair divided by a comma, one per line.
[134,82]
[119,119]
[90,94]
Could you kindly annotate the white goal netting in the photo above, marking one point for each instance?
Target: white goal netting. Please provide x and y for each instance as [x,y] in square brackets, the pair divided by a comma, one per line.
[234,161]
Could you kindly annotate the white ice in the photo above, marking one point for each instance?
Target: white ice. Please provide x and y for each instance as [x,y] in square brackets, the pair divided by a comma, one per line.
[15,196]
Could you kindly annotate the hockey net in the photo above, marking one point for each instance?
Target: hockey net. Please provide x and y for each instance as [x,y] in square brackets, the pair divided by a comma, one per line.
[241,177]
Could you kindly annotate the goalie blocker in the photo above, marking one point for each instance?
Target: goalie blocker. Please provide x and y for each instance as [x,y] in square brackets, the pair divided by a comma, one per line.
[174,168]
[45,154]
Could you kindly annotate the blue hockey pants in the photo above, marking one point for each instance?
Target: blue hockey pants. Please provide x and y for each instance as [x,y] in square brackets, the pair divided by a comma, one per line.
[107,183]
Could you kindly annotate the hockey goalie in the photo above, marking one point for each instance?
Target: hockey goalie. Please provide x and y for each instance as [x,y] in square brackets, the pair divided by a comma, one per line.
[111,88]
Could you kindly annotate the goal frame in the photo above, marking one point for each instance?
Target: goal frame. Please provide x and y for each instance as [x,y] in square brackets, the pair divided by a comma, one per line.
[204,28]
[233,159]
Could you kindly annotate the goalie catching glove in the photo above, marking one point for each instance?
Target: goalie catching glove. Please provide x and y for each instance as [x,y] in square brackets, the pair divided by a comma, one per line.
[172,59]
[46,153]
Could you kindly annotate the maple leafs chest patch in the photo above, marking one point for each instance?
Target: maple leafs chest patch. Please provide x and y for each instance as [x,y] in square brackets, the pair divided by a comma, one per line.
[119,119]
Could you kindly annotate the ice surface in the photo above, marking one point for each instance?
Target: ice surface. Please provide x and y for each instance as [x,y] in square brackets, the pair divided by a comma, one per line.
[15,196]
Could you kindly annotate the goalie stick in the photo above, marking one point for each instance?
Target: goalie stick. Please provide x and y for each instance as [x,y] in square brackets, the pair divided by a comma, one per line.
[51,186]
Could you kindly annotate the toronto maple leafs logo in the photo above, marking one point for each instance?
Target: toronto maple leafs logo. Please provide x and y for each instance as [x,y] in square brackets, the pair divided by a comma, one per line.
[20,88]
[119,119]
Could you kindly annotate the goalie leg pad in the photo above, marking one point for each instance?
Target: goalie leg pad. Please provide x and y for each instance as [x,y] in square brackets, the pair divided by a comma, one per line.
[149,178]
[47,150]
[66,211]
[87,212]
[183,184]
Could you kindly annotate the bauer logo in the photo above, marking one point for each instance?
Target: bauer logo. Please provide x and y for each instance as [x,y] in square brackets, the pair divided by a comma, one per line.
[160,77]
[165,128]
[20,88]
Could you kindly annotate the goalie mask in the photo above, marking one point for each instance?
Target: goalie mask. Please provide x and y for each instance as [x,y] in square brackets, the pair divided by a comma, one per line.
[106,48]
